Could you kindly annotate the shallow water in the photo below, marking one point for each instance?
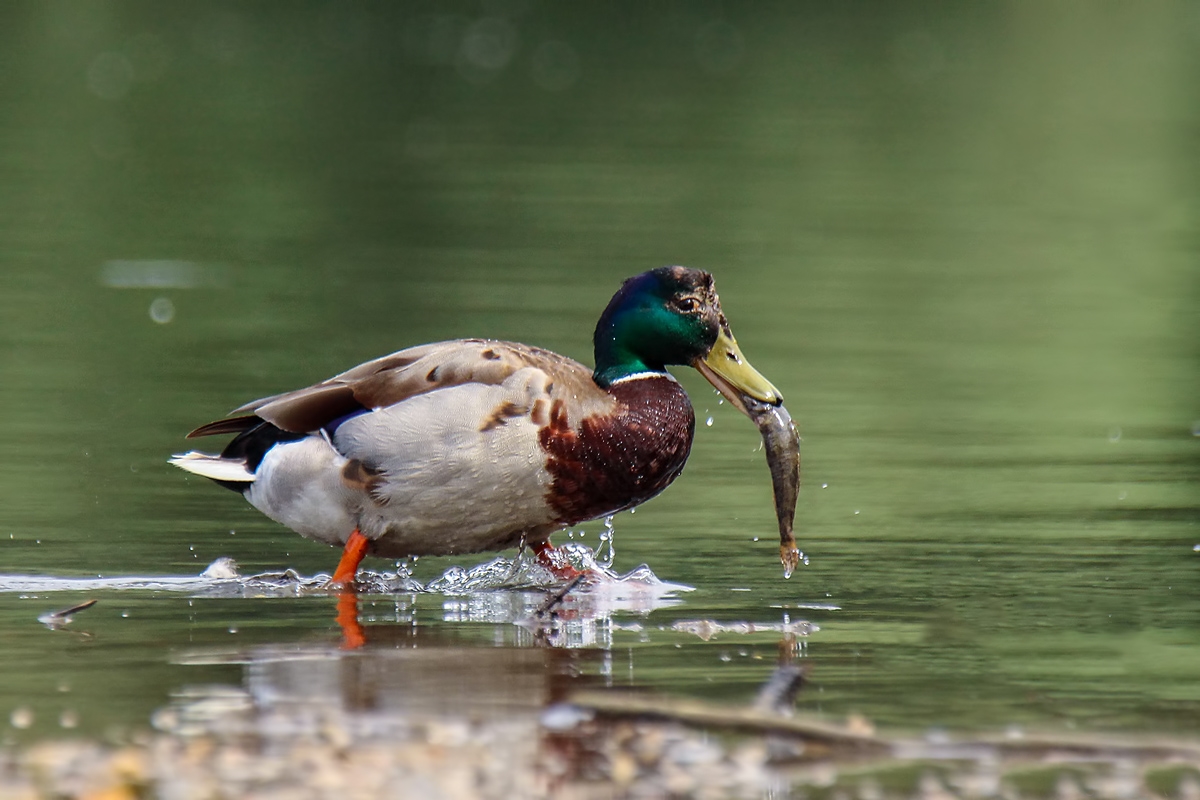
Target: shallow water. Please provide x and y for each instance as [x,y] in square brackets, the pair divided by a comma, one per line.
[961,243]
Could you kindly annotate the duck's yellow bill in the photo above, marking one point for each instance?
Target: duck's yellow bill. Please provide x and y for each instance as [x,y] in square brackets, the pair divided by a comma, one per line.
[728,370]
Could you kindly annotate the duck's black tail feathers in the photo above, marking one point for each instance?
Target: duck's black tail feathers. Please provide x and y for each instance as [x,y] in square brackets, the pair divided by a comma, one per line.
[238,463]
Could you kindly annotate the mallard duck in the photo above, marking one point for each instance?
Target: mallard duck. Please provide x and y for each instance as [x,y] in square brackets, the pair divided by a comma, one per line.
[473,445]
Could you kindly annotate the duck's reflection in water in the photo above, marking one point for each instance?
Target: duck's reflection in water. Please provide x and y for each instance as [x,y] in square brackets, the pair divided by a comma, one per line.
[410,715]
[471,685]
[431,709]
[389,707]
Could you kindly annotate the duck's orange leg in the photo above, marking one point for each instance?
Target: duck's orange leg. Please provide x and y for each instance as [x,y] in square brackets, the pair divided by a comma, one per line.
[550,558]
[352,555]
[353,635]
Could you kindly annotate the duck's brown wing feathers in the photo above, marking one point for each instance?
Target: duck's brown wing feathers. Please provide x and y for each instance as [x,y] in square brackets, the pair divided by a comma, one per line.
[394,378]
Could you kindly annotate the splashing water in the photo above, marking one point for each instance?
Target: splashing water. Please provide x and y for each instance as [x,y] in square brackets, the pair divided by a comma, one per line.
[497,574]
[222,577]
[707,628]
[606,551]
[518,591]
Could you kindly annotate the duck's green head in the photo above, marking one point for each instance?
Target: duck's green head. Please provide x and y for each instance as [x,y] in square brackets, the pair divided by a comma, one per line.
[672,315]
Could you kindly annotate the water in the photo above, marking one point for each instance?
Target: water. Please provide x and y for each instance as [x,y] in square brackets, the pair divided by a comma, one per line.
[961,242]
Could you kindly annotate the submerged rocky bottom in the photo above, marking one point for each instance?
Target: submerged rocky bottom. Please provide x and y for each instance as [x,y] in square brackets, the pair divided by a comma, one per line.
[221,744]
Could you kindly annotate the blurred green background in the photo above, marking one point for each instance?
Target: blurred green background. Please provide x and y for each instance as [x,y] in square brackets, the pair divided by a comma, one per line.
[960,238]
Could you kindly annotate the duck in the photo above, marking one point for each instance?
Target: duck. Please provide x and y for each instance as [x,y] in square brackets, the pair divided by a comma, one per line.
[477,445]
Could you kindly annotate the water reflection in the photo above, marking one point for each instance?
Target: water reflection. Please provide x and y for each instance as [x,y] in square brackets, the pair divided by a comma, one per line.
[407,670]
[508,713]
[419,713]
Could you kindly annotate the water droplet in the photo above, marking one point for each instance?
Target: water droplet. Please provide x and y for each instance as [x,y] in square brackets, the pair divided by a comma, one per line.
[162,310]
[21,718]
[125,614]
[68,719]
[856,511]
[725,657]
[824,485]
[754,539]
[1122,495]
[233,629]
[709,422]
[606,551]
[1114,434]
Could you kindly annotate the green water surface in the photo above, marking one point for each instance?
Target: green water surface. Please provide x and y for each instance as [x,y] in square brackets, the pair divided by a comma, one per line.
[961,239]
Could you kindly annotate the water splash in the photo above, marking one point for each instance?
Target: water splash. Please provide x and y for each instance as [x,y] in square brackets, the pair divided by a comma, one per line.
[497,574]
[222,578]
[707,628]
[515,591]
[606,551]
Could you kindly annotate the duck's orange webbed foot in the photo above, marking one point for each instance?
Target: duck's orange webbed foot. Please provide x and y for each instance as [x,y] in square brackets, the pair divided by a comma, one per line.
[556,562]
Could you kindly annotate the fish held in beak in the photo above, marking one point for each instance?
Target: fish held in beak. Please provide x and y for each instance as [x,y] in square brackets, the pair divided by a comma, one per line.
[749,392]
[782,445]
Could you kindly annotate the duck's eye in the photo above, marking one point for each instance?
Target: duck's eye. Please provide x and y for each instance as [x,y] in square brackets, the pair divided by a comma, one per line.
[687,304]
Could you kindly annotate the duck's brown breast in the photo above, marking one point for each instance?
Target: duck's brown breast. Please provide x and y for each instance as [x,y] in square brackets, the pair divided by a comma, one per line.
[618,460]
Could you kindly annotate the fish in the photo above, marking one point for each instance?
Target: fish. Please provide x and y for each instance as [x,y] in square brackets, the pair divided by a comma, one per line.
[782,445]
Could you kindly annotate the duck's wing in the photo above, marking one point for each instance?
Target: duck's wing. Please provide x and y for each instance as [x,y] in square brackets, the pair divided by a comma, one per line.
[405,374]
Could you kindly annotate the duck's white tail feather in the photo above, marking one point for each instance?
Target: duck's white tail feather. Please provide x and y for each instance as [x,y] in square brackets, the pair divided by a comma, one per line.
[215,467]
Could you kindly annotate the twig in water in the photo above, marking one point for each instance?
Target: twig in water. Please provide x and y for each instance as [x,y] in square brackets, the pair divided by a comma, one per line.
[549,608]
[778,694]
[58,619]
[821,739]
